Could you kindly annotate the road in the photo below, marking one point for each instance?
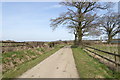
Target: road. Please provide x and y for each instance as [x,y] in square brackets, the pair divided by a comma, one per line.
[59,65]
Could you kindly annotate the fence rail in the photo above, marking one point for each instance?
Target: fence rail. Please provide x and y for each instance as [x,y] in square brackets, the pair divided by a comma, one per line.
[103,51]
[116,55]
[13,46]
[11,42]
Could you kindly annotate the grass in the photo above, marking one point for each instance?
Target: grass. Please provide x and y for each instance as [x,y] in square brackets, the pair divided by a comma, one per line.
[13,73]
[18,54]
[113,48]
[89,67]
[41,49]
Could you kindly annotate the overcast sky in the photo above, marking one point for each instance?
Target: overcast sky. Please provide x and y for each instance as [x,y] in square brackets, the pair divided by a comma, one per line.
[30,21]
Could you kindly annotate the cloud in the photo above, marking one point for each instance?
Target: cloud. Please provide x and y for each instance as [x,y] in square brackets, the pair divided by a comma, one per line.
[53,6]
[56,6]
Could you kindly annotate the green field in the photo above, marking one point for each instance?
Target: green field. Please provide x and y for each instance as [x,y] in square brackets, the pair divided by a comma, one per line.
[89,67]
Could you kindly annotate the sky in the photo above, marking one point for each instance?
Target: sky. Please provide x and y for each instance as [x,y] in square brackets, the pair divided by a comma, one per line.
[30,21]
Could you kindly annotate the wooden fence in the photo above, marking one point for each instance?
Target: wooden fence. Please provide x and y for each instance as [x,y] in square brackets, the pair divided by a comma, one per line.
[116,56]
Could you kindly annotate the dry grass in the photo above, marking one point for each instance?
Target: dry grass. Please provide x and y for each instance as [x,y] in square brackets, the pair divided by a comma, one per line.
[113,48]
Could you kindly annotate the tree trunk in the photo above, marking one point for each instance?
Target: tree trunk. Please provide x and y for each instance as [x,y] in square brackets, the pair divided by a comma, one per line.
[79,29]
[79,32]
[109,39]
[75,41]
[80,39]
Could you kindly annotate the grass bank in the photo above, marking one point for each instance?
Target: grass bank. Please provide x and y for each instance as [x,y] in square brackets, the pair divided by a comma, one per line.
[19,70]
[89,67]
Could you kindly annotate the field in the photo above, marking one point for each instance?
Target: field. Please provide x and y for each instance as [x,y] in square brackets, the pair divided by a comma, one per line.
[91,68]
[107,54]
[113,48]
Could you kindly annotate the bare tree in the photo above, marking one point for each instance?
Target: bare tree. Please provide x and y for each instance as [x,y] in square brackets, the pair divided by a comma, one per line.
[83,17]
[72,27]
[89,27]
[110,24]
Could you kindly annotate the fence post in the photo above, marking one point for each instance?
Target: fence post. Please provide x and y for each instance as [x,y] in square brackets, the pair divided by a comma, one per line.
[116,62]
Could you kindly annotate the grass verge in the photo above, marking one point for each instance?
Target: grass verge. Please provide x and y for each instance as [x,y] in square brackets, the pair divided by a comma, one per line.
[13,73]
[89,67]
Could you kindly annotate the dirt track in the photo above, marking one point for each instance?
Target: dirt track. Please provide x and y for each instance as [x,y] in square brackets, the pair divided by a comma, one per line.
[59,65]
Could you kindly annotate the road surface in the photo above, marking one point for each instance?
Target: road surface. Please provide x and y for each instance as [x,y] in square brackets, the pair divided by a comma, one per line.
[59,65]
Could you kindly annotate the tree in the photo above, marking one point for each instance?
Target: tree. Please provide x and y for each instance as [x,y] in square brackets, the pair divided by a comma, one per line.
[83,17]
[89,27]
[110,24]
[73,27]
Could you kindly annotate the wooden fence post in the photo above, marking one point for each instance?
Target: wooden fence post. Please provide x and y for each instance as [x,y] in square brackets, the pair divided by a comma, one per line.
[116,65]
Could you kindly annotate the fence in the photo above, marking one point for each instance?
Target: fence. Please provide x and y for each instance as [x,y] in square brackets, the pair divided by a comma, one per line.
[115,61]
[14,46]
[10,42]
